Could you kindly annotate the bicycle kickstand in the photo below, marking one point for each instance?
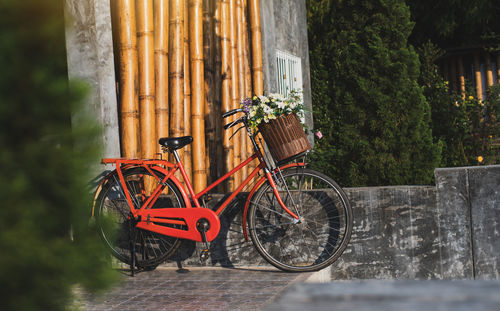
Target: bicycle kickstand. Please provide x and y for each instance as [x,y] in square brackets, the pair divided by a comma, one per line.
[203,226]
[131,233]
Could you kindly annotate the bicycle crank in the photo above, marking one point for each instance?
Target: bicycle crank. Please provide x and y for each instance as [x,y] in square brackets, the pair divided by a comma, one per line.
[203,225]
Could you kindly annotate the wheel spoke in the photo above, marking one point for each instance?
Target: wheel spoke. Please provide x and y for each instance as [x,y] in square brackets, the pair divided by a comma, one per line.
[320,236]
[151,248]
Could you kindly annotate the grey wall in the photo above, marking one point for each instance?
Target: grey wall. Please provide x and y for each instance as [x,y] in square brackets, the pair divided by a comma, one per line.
[89,47]
[471,196]
[284,27]
[449,231]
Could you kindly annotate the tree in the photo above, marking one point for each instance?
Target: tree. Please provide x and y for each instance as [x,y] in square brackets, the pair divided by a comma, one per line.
[47,245]
[366,99]
[456,23]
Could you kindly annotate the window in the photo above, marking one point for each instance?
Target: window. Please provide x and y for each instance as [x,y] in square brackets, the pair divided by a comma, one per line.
[289,72]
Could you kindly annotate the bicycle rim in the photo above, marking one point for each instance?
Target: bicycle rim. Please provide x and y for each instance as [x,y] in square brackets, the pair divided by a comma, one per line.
[116,228]
[320,236]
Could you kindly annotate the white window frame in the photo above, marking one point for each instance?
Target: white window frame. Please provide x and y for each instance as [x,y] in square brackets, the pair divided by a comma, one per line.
[288,72]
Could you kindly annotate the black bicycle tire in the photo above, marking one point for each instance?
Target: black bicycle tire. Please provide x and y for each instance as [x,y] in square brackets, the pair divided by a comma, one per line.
[173,243]
[265,251]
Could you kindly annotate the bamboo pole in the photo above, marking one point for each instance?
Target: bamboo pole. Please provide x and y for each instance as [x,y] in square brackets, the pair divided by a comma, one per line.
[248,73]
[258,82]
[129,99]
[187,160]
[197,87]
[235,93]
[219,141]
[209,61]
[161,68]
[461,75]
[477,73]
[176,70]
[489,70]
[226,84]
[241,80]
[145,41]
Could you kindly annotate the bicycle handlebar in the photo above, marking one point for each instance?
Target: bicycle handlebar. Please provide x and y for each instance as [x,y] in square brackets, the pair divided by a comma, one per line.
[231,112]
[235,122]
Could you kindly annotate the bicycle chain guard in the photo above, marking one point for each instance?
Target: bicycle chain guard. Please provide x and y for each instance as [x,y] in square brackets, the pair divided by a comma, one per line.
[179,222]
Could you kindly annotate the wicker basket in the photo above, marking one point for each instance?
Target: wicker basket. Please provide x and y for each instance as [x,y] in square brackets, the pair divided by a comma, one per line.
[285,137]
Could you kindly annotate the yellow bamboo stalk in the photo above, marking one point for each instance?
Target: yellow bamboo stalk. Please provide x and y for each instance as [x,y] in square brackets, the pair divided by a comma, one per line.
[219,141]
[145,41]
[241,80]
[477,73]
[248,73]
[176,69]
[161,68]
[258,82]
[129,110]
[233,35]
[226,84]
[187,94]
[198,99]
[461,75]
[489,71]
[209,60]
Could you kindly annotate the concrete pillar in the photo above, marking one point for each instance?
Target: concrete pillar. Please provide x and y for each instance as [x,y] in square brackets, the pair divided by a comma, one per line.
[89,46]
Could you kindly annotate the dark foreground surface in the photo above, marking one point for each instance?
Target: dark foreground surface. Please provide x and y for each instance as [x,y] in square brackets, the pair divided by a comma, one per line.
[269,289]
[391,295]
[194,289]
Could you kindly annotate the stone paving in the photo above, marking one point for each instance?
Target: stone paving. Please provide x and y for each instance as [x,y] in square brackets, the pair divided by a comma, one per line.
[195,289]
[389,295]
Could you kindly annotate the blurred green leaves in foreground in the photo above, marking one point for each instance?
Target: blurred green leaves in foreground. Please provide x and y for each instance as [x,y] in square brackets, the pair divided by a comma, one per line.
[46,243]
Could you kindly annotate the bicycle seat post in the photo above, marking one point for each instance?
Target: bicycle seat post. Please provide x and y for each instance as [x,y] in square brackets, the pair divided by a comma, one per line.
[176,155]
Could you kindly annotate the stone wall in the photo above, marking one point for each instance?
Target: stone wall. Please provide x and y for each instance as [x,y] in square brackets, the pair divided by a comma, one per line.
[284,27]
[402,232]
[89,47]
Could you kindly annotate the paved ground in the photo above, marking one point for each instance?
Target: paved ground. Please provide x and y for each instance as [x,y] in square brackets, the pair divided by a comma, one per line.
[391,296]
[271,290]
[199,289]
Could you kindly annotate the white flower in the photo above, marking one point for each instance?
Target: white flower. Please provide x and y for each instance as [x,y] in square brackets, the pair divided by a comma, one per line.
[268,110]
[282,105]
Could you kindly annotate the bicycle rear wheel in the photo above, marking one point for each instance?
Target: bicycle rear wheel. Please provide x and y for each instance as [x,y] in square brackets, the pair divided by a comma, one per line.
[116,229]
[322,233]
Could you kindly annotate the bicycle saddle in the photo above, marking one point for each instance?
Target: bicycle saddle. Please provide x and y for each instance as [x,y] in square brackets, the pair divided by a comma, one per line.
[176,142]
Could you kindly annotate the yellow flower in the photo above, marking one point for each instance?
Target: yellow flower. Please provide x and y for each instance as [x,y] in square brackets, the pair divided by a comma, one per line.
[254,98]
[471,97]
[480,159]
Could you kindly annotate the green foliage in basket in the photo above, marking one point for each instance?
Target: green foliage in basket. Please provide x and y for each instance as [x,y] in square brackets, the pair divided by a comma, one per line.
[266,108]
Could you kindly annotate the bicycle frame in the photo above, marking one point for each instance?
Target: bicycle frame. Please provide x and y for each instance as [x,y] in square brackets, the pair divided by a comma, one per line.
[160,220]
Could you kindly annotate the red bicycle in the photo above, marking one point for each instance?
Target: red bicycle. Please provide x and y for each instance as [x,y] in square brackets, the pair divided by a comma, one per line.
[298,219]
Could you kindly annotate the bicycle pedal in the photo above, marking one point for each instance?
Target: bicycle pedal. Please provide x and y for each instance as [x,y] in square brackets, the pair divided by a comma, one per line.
[204,255]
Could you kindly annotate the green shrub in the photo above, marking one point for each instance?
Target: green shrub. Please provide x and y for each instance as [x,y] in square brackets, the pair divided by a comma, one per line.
[46,242]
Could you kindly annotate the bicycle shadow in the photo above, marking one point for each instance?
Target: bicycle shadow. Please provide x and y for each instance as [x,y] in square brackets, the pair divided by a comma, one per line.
[229,249]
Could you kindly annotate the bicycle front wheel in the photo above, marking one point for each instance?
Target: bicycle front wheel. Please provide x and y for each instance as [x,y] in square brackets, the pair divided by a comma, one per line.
[116,229]
[322,232]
